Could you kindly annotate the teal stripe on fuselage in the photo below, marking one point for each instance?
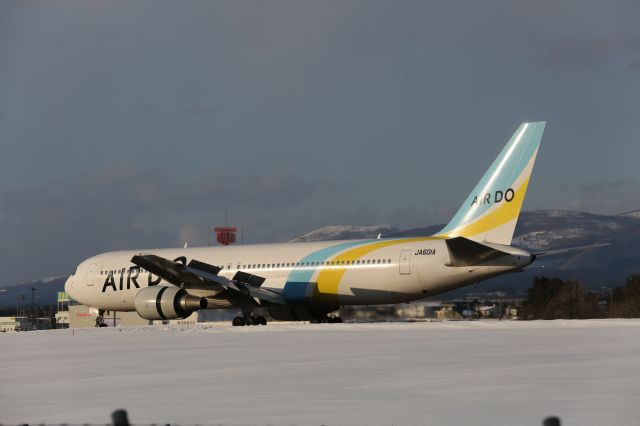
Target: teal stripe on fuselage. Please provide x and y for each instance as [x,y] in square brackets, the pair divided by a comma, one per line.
[502,174]
[295,289]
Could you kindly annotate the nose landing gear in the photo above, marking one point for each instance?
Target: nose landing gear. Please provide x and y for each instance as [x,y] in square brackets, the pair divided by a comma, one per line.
[100,319]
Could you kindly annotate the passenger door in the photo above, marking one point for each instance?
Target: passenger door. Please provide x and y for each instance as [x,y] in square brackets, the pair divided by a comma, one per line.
[405,262]
[90,274]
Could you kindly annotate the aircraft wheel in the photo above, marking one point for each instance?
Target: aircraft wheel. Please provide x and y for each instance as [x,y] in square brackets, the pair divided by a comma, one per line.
[100,321]
[249,320]
[238,322]
[335,320]
[260,320]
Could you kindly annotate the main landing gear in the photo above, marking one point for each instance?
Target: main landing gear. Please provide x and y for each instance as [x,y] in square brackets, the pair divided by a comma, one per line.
[248,319]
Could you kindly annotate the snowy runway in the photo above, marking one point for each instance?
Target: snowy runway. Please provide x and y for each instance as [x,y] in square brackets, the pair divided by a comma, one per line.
[451,373]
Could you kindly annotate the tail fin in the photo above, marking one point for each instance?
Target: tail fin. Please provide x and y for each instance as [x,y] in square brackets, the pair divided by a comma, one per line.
[491,211]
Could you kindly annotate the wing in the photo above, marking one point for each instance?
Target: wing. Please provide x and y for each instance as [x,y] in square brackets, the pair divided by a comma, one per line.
[200,275]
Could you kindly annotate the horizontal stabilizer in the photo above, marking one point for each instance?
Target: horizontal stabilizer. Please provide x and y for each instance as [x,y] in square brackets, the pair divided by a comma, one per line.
[466,252]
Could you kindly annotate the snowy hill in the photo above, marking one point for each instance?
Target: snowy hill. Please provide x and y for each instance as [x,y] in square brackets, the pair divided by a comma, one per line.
[45,294]
[634,214]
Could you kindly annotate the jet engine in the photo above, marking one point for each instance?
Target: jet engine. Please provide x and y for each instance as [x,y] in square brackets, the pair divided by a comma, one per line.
[165,302]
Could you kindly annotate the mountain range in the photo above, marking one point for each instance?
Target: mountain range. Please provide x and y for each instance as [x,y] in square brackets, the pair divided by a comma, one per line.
[536,231]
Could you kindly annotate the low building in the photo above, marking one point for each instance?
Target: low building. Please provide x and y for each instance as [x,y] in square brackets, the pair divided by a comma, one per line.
[13,324]
[62,315]
[449,312]
[81,316]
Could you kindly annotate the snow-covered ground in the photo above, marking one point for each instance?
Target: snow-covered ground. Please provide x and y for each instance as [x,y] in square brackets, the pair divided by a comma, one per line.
[449,373]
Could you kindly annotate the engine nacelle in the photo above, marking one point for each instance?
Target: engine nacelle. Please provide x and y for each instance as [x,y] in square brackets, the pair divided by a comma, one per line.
[164,302]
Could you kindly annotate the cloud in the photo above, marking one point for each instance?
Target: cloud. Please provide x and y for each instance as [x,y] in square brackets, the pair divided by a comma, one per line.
[198,110]
[573,32]
[48,229]
[191,235]
[592,50]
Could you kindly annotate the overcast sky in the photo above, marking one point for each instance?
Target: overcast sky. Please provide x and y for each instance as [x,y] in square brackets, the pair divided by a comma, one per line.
[135,124]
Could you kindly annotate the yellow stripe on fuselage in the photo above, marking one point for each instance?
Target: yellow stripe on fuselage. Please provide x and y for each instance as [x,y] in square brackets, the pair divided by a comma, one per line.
[328,280]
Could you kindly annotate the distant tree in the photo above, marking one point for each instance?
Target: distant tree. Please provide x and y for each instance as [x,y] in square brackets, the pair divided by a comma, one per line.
[626,299]
[553,298]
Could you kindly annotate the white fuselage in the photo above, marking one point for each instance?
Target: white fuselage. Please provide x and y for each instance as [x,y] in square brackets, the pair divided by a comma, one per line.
[356,272]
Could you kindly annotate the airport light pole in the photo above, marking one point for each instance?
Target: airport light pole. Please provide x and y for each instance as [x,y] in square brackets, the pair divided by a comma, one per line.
[33,292]
[608,291]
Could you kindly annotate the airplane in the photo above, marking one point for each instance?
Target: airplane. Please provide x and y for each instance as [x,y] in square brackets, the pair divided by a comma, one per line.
[309,281]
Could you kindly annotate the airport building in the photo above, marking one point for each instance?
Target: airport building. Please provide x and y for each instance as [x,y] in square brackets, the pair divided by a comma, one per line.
[13,324]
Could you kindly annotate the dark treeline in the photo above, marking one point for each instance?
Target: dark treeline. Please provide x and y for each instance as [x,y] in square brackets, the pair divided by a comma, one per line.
[553,298]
